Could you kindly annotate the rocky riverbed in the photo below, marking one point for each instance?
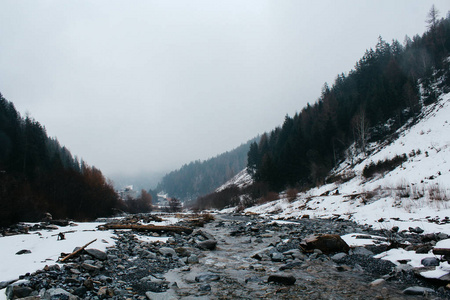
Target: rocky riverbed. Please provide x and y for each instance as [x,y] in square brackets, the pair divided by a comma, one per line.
[236,257]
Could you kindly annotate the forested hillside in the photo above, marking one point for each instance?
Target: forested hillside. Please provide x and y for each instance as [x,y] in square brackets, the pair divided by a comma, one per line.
[202,177]
[37,175]
[388,86]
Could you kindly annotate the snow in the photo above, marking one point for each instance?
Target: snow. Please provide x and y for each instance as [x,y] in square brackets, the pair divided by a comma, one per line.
[46,249]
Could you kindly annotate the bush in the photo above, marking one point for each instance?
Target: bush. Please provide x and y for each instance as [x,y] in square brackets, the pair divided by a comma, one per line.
[383,166]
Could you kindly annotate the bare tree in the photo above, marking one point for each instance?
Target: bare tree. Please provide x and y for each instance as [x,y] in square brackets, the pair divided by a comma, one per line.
[360,127]
[432,18]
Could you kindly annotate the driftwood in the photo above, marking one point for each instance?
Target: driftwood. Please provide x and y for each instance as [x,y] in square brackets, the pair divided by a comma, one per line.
[76,252]
[441,251]
[152,228]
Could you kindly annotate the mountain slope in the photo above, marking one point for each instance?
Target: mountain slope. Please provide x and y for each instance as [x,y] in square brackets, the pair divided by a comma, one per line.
[416,191]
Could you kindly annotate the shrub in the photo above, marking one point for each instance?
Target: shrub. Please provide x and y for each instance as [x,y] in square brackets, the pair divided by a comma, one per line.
[383,166]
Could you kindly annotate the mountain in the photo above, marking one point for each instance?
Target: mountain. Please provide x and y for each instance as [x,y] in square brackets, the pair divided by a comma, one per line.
[389,86]
[202,177]
[391,90]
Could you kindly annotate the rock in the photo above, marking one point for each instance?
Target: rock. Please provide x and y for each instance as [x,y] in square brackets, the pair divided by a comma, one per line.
[338,256]
[169,295]
[24,251]
[167,251]
[377,282]
[15,291]
[362,251]
[98,254]
[415,230]
[423,249]
[207,245]
[89,267]
[282,279]
[58,293]
[442,236]
[192,259]
[291,265]
[395,229]
[80,291]
[430,262]
[207,277]
[204,287]
[327,243]
[418,290]
[277,257]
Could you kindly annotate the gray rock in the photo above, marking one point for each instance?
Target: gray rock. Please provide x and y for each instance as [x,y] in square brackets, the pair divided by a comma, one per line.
[442,236]
[192,259]
[58,293]
[417,290]
[204,287]
[277,257]
[338,256]
[207,245]
[89,267]
[362,251]
[169,295]
[416,230]
[430,262]
[24,251]
[97,254]
[207,277]
[282,279]
[167,251]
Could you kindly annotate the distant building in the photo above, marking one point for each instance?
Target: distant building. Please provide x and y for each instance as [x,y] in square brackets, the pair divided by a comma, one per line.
[128,193]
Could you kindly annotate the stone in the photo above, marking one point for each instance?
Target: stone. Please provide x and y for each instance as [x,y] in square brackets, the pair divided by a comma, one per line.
[167,251]
[207,277]
[89,267]
[207,245]
[416,230]
[418,290]
[430,262]
[15,291]
[277,257]
[192,259]
[362,251]
[58,293]
[24,251]
[98,254]
[327,243]
[377,282]
[204,287]
[282,279]
[338,256]
[169,295]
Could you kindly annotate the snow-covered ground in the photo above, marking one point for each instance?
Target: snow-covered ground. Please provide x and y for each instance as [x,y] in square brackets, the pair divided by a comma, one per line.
[46,248]
[415,194]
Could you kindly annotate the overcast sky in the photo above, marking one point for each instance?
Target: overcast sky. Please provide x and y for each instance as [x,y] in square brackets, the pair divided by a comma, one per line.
[147,86]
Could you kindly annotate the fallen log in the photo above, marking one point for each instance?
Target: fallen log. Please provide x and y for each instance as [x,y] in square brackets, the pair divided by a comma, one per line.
[151,228]
[441,251]
[76,252]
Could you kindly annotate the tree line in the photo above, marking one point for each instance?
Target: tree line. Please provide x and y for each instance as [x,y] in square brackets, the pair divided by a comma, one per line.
[38,175]
[388,85]
[202,177]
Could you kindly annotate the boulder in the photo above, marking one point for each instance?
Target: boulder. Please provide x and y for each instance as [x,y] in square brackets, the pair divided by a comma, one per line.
[430,262]
[98,254]
[282,279]
[167,251]
[207,245]
[58,293]
[418,290]
[23,251]
[327,243]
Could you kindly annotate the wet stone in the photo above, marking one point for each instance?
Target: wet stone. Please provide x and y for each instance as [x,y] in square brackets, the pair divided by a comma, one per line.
[207,277]
[282,279]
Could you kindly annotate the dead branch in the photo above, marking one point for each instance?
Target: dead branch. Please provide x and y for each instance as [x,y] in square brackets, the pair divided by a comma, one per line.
[441,251]
[76,252]
[152,228]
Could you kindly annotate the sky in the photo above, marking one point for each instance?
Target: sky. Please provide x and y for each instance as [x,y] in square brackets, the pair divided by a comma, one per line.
[146,86]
